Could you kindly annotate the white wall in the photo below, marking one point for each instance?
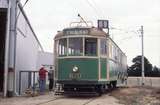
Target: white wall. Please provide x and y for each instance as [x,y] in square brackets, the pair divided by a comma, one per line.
[44,58]
[3,3]
[27,48]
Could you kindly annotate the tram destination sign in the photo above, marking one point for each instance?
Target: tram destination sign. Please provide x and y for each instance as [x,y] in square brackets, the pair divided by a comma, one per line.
[76,31]
[103,24]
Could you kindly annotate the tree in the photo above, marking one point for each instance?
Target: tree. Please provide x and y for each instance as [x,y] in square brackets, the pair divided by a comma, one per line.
[156,72]
[136,68]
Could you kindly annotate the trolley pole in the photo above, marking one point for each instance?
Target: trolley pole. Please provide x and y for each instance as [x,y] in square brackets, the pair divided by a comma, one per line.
[142,56]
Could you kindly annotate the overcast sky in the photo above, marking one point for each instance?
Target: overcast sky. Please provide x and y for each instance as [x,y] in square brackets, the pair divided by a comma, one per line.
[126,16]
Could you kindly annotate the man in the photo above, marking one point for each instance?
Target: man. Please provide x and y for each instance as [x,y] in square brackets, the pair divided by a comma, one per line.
[42,79]
[50,77]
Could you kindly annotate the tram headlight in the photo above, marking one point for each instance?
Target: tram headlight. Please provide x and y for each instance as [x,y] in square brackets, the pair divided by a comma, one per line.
[75,69]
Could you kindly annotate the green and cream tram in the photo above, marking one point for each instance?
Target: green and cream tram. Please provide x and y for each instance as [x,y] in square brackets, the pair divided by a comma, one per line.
[88,60]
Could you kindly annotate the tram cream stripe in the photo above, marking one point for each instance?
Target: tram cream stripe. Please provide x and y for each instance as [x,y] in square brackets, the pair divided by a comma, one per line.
[76,36]
[99,63]
[77,57]
[108,60]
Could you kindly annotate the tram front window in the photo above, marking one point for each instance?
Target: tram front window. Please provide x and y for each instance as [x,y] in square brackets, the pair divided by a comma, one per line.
[90,46]
[75,47]
[62,47]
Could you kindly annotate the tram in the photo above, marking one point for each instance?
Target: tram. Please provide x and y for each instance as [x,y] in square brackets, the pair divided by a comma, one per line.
[87,60]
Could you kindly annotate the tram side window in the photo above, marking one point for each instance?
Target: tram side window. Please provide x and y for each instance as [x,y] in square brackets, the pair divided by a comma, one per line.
[120,58]
[117,54]
[90,46]
[103,46]
[75,47]
[62,47]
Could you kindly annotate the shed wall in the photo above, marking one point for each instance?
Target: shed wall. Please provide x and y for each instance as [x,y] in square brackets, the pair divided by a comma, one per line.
[3,3]
[44,58]
[27,49]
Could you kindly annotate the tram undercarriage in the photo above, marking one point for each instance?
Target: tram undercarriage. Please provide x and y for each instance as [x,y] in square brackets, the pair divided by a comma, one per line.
[84,89]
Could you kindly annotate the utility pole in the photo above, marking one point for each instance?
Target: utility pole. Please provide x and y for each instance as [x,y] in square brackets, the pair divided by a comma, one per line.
[142,55]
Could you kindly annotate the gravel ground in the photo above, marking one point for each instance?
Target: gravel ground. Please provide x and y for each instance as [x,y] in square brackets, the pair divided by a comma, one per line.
[27,100]
[120,96]
[137,95]
[103,100]
[50,99]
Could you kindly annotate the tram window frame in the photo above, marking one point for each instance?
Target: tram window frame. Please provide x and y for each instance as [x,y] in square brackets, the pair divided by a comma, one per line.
[113,51]
[92,44]
[103,47]
[56,48]
[62,49]
[110,50]
[79,46]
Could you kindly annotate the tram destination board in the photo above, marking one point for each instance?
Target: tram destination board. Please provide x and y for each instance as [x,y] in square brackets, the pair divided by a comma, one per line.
[76,31]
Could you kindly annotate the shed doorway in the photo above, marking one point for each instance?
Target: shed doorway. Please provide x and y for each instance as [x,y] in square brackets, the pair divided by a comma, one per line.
[3,22]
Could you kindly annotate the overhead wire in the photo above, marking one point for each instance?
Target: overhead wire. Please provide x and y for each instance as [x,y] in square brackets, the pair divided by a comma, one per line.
[99,13]
[93,7]
[97,9]
[76,10]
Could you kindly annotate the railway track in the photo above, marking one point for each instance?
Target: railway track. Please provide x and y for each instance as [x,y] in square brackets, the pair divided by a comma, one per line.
[64,100]
[67,100]
[91,100]
[50,101]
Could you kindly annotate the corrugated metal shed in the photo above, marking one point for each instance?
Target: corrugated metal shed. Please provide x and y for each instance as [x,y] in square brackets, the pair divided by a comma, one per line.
[23,46]
[3,3]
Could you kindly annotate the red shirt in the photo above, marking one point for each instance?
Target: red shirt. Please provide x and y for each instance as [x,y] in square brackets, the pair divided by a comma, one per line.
[42,73]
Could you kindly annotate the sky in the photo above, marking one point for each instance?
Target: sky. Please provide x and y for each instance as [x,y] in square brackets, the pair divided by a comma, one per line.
[125,19]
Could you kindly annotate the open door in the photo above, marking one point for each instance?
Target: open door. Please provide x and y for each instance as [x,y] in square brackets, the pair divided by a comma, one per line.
[3,25]
[4,47]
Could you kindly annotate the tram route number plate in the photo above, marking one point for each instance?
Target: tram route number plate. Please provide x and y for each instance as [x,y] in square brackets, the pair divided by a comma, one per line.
[75,75]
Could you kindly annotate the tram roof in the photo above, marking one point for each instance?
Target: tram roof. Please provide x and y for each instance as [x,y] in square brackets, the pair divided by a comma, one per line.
[92,31]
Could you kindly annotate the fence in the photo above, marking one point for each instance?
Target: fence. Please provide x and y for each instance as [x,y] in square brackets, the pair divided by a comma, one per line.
[28,79]
[149,81]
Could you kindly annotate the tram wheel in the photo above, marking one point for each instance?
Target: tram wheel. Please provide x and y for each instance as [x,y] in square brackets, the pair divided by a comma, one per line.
[114,84]
[100,89]
[109,86]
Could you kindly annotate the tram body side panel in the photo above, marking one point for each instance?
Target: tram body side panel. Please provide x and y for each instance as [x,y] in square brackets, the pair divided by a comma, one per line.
[117,72]
[87,70]
[103,69]
[112,70]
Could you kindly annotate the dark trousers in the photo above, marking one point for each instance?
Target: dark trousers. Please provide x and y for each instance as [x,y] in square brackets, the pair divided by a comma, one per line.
[50,84]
